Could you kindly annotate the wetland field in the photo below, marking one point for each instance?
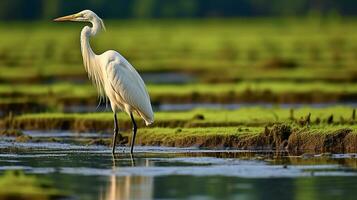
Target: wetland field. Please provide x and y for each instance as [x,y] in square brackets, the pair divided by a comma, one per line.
[244,109]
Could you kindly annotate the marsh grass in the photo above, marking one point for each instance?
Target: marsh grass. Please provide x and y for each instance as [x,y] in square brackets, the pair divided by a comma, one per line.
[251,116]
[246,128]
[57,96]
[237,49]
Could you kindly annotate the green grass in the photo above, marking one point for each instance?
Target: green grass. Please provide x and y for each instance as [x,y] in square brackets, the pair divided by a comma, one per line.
[237,49]
[156,91]
[201,131]
[55,90]
[327,129]
[243,115]
[174,135]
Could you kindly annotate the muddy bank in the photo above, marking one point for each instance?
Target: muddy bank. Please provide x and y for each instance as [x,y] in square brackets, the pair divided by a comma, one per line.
[278,137]
[341,140]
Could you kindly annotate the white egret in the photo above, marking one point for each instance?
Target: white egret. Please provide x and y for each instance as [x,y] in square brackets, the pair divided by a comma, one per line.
[114,77]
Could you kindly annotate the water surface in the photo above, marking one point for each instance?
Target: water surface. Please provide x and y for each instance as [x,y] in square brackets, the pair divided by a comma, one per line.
[91,172]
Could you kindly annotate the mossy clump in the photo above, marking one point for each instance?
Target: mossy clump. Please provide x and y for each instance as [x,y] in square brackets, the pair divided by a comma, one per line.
[279,63]
[329,119]
[102,142]
[277,136]
[121,140]
[11,133]
[305,121]
[23,138]
[199,117]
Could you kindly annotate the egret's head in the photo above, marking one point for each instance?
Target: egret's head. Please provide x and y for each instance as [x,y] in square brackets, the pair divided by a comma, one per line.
[83,16]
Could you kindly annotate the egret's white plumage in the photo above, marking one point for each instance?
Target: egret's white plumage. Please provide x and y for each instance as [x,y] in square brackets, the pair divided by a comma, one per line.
[113,76]
[130,92]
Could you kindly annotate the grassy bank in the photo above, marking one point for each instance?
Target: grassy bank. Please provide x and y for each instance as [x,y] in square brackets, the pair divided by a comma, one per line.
[304,129]
[55,97]
[196,118]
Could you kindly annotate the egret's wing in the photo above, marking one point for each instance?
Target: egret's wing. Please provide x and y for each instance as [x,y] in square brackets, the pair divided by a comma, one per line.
[127,83]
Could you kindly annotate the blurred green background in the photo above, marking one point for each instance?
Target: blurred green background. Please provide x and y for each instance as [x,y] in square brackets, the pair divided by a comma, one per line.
[43,9]
[191,52]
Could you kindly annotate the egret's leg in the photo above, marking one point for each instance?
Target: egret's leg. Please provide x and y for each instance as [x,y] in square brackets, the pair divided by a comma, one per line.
[115,132]
[134,133]
[132,160]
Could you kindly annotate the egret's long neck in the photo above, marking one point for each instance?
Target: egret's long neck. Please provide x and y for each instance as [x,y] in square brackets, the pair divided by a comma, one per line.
[87,52]
[85,45]
[89,58]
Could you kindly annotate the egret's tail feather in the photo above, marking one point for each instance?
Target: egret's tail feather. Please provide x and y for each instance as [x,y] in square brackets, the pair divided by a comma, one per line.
[148,123]
[148,119]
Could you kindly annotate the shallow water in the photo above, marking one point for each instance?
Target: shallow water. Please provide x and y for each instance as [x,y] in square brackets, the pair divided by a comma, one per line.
[190,106]
[91,172]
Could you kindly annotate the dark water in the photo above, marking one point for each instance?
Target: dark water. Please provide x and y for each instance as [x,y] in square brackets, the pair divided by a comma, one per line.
[233,106]
[168,78]
[91,172]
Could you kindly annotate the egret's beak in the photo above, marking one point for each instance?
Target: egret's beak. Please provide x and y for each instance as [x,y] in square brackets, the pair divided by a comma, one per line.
[66,18]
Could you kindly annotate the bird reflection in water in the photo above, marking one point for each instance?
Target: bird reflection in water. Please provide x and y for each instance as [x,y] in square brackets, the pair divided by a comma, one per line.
[128,187]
